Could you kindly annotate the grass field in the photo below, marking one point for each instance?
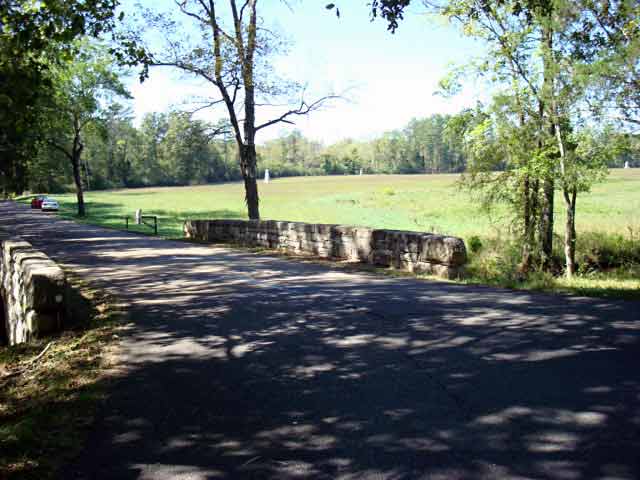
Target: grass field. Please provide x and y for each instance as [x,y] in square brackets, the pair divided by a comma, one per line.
[408,202]
[608,217]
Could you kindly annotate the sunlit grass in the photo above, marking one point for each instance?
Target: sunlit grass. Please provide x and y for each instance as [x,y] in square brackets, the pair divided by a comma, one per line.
[433,203]
[409,202]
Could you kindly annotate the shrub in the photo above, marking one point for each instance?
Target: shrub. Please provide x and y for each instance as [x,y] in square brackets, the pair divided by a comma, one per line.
[475,244]
[496,262]
[601,251]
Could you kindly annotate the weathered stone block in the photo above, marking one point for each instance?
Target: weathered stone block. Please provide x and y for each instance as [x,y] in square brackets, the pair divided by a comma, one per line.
[409,257]
[381,258]
[445,250]
[412,251]
[9,248]
[33,288]
[23,255]
[45,287]
[445,271]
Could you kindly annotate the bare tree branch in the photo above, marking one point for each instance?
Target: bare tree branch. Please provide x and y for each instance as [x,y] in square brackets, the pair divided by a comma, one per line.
[204,105]
[304,109]
[186,67]
[242,9]
[182,5]
[217,53]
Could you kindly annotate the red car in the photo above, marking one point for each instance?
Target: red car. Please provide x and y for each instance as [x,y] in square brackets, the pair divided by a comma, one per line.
[36,202]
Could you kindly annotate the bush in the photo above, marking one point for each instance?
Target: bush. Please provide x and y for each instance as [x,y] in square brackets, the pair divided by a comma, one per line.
[495,262]
[601,251]
[475,244]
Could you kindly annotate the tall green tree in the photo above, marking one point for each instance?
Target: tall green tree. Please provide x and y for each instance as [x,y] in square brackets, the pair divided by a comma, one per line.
[34,36]
[531,54]
[81,88]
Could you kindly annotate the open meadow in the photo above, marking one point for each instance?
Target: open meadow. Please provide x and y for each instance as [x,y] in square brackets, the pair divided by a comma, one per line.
[431,203]
[608,219]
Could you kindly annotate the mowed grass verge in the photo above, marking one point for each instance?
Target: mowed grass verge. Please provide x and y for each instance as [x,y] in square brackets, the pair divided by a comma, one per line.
[609,214]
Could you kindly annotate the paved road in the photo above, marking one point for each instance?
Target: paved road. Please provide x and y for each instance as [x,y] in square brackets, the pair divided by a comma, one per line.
[250,366]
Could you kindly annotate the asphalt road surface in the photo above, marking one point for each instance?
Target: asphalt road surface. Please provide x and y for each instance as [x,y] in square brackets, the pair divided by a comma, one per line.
[244,365]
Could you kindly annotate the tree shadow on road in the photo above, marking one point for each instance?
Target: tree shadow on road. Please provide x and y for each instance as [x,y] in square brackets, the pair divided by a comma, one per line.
[248,366]
[261,370]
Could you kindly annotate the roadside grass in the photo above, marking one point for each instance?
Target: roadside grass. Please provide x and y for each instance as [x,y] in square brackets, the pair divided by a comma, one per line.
[47,403]
[608,218]
[620,284]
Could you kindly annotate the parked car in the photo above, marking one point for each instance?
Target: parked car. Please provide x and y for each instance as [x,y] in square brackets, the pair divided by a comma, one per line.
[36,202]
[50,204]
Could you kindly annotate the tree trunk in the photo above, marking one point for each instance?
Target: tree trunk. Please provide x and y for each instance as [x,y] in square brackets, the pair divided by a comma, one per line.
[527,219]
[87,174]
[75,163]
[527,211]
[78,181]
[248,156]
[546,222]
[570,232]
[570,194]
[20,177]
[548,186]
[248,162]
[535,208]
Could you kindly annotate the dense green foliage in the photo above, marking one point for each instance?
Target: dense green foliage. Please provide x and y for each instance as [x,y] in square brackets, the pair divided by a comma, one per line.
[171,149]
[33,37]
[547,88]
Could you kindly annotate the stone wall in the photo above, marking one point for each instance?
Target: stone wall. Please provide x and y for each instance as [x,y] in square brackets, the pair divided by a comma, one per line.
[33,289]
[412,251]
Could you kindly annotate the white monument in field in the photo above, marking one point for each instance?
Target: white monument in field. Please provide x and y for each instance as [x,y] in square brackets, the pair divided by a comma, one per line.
[626,164]
[360,172]
[266,176]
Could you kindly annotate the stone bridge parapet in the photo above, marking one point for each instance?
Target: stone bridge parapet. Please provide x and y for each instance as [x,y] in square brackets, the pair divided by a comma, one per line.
[417,252]
[33,289]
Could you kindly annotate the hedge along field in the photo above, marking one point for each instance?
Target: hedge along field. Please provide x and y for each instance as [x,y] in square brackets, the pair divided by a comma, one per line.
[431,203]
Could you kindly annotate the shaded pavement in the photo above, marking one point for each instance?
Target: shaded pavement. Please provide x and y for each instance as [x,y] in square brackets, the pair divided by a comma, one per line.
[250,366]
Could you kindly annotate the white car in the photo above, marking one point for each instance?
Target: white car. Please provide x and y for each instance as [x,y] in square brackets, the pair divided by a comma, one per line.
[50,204]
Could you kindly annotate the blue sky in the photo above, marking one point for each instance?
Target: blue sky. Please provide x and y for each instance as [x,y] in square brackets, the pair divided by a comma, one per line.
[390,78]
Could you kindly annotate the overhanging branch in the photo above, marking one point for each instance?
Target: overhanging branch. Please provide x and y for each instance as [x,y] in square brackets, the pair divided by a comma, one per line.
[304,109]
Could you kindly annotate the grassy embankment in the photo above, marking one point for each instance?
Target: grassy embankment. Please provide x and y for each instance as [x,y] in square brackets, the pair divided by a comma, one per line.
[608,220]
[50,388]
